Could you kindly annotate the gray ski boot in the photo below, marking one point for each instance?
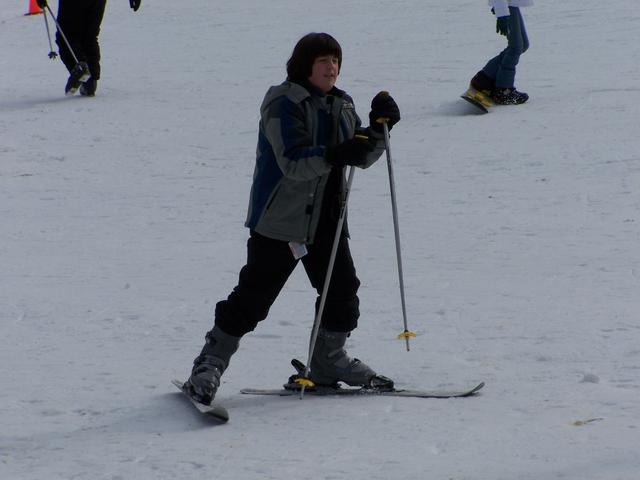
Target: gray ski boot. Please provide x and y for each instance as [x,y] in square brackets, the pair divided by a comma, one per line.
[209,366]
[330,364]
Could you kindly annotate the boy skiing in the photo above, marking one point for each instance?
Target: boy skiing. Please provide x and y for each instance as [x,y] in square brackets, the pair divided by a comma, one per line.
[308,132]
[496,81]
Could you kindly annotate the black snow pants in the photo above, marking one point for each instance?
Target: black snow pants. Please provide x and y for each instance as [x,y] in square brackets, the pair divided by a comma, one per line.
[80,22]
[269,265]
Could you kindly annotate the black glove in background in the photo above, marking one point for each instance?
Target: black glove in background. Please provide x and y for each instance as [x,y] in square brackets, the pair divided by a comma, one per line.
[502,26]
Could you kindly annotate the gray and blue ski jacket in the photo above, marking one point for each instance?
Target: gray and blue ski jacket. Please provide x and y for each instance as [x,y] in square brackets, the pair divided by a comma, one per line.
[291,174]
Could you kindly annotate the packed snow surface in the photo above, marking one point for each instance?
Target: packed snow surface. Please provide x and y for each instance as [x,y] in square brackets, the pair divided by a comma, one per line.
[121,226]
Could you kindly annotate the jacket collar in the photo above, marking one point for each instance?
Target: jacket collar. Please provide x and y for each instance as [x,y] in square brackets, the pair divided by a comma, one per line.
[316,92]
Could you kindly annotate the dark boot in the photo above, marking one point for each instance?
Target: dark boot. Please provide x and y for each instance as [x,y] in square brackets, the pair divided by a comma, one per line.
[508,96]
[209,366]
[79,73]
[330,364]
[88,88]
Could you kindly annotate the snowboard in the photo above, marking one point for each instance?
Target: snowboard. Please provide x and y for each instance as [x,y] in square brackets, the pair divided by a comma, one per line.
[478,99]
[214,410]
[362,391]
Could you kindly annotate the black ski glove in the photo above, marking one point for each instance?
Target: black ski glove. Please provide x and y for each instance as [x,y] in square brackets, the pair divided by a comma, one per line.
[502,26]
[350,152]
[42,3]
[135,4]
[383,106]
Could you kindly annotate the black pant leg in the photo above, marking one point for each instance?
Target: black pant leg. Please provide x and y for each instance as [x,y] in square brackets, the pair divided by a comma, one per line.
[269,265]
[342,306]
[80,22]
[71,21]
[94,16]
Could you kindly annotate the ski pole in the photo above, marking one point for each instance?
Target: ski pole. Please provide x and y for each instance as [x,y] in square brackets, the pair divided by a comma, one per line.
[304,381]
[406,334]
[64,37]
[52,53]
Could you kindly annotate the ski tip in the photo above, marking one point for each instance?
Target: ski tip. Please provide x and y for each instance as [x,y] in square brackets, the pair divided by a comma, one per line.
[214,411]
[177,383]
[475,103]
[476,389]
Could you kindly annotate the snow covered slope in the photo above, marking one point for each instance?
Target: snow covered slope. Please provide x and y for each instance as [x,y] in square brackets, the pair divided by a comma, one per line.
[121,225]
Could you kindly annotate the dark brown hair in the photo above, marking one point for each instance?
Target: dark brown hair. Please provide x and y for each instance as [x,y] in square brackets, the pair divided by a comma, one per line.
[308,48]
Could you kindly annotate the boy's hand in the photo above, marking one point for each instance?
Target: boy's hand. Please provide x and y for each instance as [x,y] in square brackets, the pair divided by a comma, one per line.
[383,107]
[350,152]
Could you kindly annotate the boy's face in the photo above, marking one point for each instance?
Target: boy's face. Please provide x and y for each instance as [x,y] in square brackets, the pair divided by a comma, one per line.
[324,72]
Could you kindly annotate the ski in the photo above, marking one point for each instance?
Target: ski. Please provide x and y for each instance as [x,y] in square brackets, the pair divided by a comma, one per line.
[214,410]
[363,391]
[478,99]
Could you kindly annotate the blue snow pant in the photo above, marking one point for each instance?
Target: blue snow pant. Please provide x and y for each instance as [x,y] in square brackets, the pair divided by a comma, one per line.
[503,67]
